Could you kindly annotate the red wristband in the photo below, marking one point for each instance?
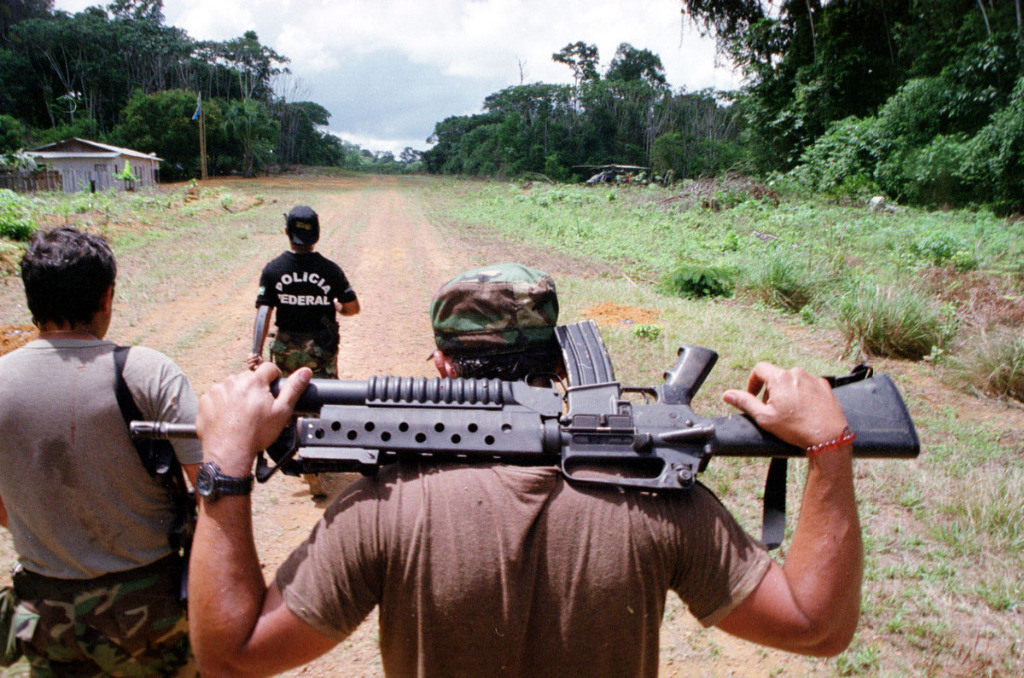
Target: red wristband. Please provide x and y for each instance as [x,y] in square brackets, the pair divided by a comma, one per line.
[847,436]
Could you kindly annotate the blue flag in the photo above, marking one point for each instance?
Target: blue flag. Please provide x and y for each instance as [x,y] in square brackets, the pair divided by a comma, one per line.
[199,107]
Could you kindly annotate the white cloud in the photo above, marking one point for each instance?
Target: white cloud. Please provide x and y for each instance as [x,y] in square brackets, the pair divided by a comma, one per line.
[205,20]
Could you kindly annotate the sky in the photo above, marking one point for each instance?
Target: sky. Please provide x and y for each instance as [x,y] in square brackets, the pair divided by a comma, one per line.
[388,70]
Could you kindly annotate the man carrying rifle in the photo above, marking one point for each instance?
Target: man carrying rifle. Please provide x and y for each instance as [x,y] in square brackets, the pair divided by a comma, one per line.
[497,569]
[98,580]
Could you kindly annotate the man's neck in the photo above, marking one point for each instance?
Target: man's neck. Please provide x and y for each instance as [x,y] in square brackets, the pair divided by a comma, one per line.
[53,330]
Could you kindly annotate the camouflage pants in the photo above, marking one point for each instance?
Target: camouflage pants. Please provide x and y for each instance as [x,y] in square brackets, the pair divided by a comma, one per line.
[128,624]
[292,350]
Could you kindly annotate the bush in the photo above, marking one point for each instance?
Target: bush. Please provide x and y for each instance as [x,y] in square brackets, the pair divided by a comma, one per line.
[646,331]
[15,222]
[781,281]
[937,247]
[996,164]
[934,174]
[889,322]
[694,281]
[994,364]
[12,134]
[843,158]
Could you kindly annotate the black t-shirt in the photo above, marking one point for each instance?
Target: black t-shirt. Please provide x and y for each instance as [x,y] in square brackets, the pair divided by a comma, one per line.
[303,287]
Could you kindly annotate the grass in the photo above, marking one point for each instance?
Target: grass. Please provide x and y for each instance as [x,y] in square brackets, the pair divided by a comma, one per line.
[994,364]
[891,321]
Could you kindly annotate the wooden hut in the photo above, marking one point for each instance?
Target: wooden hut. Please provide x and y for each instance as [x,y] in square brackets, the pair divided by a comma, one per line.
[90,166]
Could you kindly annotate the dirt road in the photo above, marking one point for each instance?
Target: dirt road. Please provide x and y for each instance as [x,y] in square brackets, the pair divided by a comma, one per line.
[395,258]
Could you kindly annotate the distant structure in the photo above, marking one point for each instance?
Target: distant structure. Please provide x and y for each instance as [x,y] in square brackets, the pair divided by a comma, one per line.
[91,166]
[612,173]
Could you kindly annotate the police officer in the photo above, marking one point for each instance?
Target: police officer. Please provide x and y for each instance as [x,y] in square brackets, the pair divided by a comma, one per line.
[308,292]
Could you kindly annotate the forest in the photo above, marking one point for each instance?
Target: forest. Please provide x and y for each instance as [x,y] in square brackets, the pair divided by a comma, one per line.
[117,74]
[920,101]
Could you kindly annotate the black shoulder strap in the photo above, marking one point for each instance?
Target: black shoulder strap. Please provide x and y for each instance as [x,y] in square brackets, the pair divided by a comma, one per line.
[158,458]
[130,412]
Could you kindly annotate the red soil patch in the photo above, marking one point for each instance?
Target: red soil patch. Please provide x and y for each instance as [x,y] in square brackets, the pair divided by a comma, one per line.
[607,313]
[13,336]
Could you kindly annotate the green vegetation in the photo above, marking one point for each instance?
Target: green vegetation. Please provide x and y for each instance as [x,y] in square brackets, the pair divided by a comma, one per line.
[897,322]
[896,284]
[696,282]
[629,115]
[994,364]
[855,99]
[15,216]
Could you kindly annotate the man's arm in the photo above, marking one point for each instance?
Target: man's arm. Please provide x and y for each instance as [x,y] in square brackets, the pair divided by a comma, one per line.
[348,307]
[811,604]
[237,625]
[261,327]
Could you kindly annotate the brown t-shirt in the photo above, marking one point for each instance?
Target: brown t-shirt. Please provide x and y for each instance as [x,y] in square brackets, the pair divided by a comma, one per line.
[493,569]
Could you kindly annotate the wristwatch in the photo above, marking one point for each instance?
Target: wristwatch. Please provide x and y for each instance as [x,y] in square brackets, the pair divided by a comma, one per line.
[211,484]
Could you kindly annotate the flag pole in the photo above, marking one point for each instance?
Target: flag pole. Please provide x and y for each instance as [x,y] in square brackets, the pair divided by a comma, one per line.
[202,141]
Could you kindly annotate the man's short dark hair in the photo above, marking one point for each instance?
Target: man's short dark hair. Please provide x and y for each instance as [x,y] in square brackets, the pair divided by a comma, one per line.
[541,363]
[66,273]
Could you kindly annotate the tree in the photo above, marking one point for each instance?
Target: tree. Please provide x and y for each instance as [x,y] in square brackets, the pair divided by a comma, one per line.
[162,123]
[581,58]
[249,124]
[253,64]
[631,64]
[12,134]
[16,11]
[410,156]
[150,11]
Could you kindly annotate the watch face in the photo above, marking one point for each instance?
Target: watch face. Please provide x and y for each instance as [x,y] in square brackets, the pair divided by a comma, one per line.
[205,479]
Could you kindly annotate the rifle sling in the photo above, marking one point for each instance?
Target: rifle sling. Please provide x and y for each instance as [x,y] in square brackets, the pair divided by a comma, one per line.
[773,521]
[130,410]
[160,461]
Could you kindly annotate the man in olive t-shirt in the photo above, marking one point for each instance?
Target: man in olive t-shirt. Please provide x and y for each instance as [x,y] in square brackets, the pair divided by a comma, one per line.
[98,580]
[495,569]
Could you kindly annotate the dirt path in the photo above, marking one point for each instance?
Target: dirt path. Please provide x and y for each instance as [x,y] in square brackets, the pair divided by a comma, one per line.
[395,258]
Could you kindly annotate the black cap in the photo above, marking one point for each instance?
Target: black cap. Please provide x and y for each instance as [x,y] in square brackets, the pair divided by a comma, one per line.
[302,225]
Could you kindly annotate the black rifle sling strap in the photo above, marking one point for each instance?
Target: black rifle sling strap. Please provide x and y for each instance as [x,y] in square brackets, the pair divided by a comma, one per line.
[159,460]
[773,520]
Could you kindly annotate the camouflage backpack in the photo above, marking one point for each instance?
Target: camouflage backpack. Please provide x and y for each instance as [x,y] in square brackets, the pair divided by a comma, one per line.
[505,308]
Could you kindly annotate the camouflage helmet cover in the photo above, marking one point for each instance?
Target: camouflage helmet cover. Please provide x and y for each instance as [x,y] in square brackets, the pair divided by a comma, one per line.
[505,308]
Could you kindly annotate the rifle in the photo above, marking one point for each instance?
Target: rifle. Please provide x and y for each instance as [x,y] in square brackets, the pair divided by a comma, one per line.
[648,438]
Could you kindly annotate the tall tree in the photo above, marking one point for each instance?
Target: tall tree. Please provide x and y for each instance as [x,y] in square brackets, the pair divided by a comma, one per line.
[254,64]
[631,64]
[581,58]
[252,127]
[16,11]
